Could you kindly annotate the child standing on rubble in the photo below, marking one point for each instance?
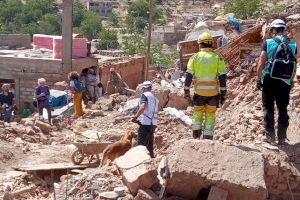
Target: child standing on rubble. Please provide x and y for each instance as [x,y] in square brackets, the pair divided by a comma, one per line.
[77,88]
[42,94]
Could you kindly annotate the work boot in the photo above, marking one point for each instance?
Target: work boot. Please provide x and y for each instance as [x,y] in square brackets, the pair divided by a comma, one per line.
[269,137]
[281,133]
[208,137]
[197,134]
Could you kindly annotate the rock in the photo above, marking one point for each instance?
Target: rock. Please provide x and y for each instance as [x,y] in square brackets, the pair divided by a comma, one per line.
[120,191]
[133,157]
[45,127]
[62,85]
[106,102]
[8,196]
[146,195]
[138,170]
[97,113]
[195,165]
[95,107]
[177,100]
[108,195]
[29,131]
[161,93]
[217,194]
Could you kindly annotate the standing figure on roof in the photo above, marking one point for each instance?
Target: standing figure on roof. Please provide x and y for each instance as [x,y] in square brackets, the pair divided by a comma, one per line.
[115,84]
[207,71]
[275,74]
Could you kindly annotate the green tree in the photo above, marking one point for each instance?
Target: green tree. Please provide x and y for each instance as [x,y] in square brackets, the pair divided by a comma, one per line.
[134,44]
[243,9]
[137,17]
[78,14]
[91,26]
[50,24]
[108,39]
[113,19]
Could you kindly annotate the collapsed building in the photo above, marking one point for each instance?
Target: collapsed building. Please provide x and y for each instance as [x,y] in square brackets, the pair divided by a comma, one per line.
[23,65]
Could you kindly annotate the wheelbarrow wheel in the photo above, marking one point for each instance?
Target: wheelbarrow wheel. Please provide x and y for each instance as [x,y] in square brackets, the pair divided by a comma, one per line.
[77,157]
[93,159]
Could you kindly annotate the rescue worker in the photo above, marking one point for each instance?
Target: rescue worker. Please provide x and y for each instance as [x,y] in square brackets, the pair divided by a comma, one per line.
[146,117]
[275,89]
[207,71]
[116,84]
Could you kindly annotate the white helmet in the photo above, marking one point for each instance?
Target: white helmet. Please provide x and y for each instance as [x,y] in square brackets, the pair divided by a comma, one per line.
[278,23]
[146,84]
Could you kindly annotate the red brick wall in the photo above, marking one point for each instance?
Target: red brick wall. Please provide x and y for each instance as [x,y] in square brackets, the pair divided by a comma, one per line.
[131,70]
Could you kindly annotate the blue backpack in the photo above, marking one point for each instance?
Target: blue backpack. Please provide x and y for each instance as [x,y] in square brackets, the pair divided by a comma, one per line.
[79,87]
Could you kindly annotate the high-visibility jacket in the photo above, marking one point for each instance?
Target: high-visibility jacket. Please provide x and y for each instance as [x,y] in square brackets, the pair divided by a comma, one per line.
[206,66]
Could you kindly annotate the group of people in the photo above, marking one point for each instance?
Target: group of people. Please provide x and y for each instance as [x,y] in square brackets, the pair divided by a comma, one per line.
[275,74]
[206,69]
[91,81]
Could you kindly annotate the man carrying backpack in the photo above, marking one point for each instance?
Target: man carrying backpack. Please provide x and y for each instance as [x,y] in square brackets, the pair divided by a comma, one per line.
[276,71]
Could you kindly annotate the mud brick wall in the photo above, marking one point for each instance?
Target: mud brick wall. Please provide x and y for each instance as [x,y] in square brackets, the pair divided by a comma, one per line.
[131,70]
[15,40]
[231,51]
[26,71]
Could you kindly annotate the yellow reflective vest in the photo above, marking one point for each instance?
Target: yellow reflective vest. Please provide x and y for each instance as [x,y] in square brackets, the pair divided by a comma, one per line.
[206,66]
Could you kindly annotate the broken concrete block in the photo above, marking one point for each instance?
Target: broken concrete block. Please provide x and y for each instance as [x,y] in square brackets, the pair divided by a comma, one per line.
[217,194]
[198,164]
[135,156]
[108,195]
[146,195]
[45,127]
[137,168]
[177,100]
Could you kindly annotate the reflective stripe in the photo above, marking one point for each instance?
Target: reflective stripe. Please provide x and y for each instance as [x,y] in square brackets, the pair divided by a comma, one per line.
[206,83]
[206,88]
[223,88]
[186,87]
[205,79]
[196,127]
[208,132]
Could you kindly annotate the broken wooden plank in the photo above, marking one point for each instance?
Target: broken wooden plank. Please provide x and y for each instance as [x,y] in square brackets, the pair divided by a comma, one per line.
[52,166]
[24,190]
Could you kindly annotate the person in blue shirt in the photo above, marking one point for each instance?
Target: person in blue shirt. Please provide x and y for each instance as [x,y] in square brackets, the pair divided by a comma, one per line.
[274,89]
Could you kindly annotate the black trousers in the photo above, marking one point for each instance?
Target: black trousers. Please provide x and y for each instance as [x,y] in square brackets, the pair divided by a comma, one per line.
[40,109]
[279,92]
[146,137]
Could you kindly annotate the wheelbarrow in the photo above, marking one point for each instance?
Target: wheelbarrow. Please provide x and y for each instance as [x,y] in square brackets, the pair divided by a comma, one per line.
[90,151]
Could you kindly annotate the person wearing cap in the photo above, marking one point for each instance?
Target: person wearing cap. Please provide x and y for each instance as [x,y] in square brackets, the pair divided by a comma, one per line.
[275,89]
[146,117]
[7,103]
[206,70]
[116,83]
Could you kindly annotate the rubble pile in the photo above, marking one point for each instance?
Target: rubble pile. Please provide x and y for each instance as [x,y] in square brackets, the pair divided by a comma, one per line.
[241,117]
[28,130]
[90,183]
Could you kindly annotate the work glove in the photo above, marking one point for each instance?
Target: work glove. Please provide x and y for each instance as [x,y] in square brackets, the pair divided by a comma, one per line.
[222,96]
[187,94]
[134,120]
[258,84]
